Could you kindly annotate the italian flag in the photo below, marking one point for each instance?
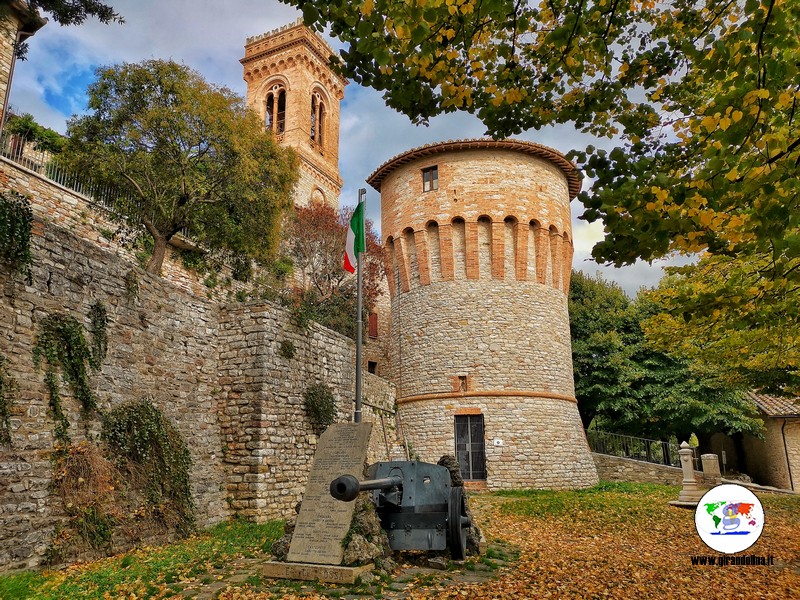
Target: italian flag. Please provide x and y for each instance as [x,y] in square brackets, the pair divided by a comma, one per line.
[356,240]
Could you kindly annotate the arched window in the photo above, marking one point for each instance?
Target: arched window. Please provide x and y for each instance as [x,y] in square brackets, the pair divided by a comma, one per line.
[275,119]
[317,118]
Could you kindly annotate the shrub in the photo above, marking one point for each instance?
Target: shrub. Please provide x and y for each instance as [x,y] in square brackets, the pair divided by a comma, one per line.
[148,446]
[320,406]
[16,218]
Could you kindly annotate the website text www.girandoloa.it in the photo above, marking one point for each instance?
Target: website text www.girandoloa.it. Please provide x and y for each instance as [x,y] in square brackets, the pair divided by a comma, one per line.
[725,561]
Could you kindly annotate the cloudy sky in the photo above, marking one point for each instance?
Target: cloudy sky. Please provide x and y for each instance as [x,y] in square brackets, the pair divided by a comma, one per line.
[209,37]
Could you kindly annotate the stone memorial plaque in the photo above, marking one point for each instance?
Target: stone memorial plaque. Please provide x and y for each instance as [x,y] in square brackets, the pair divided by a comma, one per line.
[323,521]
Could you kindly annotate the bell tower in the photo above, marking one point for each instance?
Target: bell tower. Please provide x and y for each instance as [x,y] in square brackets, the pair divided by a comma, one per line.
[295,92]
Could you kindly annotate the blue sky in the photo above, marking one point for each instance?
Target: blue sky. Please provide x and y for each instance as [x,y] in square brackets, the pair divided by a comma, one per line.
[209,36]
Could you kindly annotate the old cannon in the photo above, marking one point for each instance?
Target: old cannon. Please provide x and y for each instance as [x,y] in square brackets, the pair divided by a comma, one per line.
[418,507]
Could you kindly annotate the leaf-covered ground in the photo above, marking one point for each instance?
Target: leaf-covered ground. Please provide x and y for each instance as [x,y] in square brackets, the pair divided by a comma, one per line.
[625,541]
[612,541]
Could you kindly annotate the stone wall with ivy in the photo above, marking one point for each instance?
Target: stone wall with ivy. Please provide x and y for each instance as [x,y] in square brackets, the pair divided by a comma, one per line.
[230,377]
[160,342]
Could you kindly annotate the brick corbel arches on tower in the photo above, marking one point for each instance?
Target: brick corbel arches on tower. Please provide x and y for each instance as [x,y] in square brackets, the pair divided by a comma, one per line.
[501,248]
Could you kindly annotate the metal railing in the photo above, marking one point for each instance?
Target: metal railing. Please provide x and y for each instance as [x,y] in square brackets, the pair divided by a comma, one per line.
[25,153]
[653,451]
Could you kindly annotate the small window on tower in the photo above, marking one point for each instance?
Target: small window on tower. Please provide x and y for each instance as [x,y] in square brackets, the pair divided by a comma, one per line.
[373,325]
[430,179]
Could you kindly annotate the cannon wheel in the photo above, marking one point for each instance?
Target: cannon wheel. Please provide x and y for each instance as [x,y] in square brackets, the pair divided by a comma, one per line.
[457,516]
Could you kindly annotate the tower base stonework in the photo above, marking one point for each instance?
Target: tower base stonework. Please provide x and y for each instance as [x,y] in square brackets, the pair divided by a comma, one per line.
[530,442]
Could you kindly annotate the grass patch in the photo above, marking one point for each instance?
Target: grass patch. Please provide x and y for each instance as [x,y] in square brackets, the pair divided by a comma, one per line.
[22,585]
[626,501]
[142,572]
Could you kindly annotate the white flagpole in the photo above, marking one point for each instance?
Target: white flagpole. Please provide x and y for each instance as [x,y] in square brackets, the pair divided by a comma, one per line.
[362,198]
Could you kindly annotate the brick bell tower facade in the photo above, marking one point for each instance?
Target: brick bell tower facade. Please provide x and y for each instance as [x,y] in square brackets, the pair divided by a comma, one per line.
[479,250]
[297,95]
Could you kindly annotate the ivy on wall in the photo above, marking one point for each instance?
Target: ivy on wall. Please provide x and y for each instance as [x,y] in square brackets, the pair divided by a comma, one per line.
[287,349]
[131,484]
[99,322]
[7,389]
[148,447]
[60,343]
[16,218]
[321,406]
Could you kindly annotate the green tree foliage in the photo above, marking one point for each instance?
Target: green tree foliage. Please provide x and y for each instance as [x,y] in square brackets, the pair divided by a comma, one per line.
[625,386]
[721,316]
[601,358]
[702,97]
[184,154]
[75,12]
[43,138]
[315,243]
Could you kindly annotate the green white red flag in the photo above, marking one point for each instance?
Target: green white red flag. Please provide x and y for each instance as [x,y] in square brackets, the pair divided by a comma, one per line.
[356,240]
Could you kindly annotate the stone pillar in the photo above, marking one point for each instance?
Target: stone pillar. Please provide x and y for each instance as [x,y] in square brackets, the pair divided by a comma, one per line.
[711,472]
[691,492]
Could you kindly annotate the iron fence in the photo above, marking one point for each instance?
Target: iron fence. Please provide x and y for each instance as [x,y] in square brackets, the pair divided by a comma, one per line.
[24,152]
[659,452]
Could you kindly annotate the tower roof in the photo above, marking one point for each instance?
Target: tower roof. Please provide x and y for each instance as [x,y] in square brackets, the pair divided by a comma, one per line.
[553,156]
[292,34]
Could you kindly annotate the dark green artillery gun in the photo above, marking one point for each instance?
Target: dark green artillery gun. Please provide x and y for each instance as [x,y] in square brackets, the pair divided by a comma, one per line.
[417,505]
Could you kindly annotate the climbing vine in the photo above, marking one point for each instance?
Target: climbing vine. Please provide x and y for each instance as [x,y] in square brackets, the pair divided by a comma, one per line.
[99,323]
[287,349]
[131,281]
[16,218]
[7,389]
[130,485]
[320,406]
[147,445]
[60,343]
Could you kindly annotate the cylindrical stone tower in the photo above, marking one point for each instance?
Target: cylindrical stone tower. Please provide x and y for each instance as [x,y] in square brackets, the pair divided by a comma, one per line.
[479,250]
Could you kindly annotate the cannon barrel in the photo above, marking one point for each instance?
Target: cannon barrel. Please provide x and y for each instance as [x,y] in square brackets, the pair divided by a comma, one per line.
[347,487]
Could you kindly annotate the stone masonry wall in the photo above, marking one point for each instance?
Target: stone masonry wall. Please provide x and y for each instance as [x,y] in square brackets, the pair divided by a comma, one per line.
[765,460]
[478,275]
[616,468]
[499,335]
[214,371]
[53,203]
[268,440]
[379,407]
[529,442]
